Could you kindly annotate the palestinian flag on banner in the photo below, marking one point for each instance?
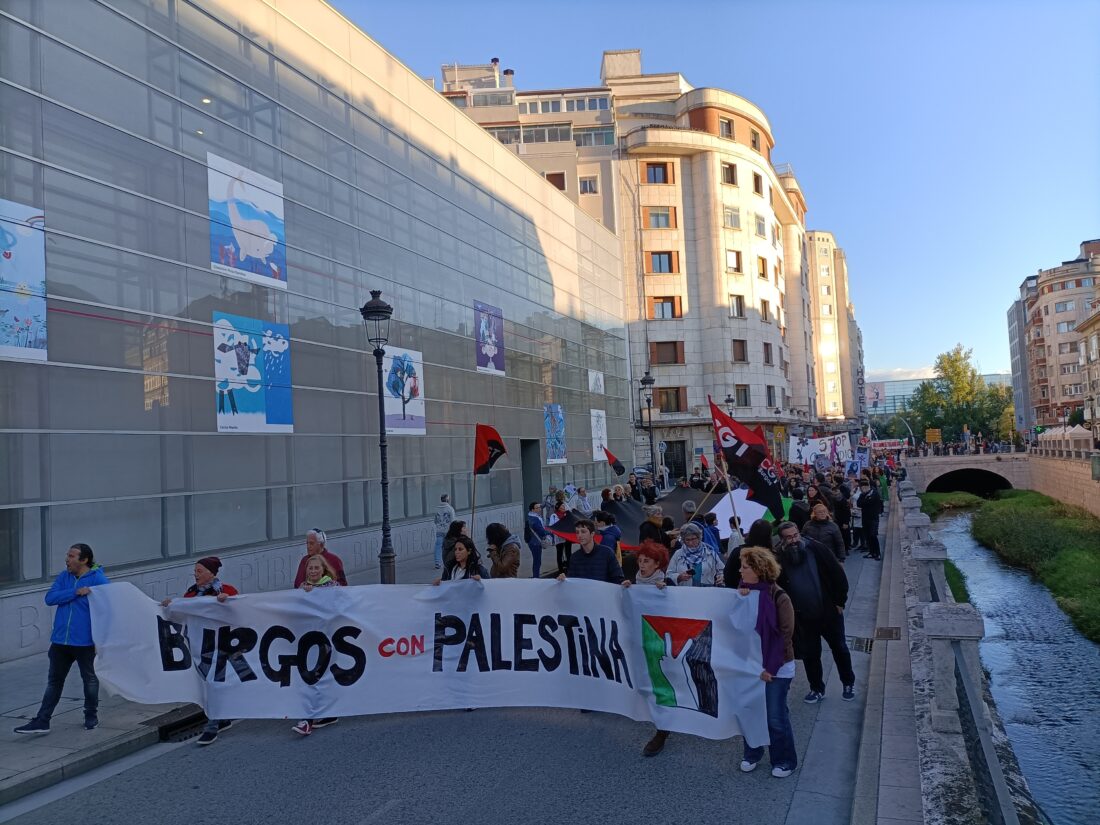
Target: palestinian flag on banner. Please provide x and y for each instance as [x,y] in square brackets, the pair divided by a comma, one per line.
[746,456]
[488,447]
[616,465]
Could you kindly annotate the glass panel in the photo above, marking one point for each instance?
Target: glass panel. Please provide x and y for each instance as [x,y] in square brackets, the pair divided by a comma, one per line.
[229,518]
[119,532]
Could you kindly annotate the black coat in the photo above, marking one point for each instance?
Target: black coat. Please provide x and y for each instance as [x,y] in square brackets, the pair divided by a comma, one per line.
[826,532]
[834,584]
[870,503]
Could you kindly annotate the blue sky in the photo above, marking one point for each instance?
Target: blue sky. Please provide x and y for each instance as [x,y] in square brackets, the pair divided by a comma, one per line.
[952,147]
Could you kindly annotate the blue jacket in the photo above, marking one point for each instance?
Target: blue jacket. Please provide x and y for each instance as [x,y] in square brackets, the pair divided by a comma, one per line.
[72,624]
[599,565]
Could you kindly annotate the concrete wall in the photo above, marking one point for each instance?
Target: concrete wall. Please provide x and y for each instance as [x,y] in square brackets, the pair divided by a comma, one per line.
[1068,480]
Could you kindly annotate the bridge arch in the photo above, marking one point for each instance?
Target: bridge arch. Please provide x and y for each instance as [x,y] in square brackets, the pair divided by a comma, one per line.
[969,480]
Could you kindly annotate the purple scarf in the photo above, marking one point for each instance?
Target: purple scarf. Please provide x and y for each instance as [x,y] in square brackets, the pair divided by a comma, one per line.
[772,643]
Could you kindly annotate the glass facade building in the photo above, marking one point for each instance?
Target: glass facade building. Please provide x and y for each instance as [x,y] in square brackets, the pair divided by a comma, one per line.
[217,186]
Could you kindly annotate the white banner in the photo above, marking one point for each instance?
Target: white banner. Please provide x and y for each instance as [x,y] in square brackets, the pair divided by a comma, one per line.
[687,659]
[830,449]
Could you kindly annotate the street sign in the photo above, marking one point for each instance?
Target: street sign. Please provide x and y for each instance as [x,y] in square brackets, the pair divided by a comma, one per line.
[933,436]
[662,447]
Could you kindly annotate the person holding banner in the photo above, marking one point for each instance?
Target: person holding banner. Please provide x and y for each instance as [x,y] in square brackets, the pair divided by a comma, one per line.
[775,623]
[207,583]
[71,640]
[457,530]
[593,561]
[466,565]
[319,573]
[652,561]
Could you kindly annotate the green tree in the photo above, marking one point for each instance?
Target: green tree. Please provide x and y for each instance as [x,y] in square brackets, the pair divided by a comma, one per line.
[1076,417]
[959,398]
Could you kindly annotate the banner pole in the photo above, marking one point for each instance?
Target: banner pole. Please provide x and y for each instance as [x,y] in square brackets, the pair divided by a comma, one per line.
[473,507]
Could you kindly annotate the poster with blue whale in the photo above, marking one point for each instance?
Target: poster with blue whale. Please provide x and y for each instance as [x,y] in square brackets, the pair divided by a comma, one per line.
[252,375]
[247,230]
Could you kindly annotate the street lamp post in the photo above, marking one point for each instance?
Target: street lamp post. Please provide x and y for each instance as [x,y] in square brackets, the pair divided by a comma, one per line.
[376,318]
[647,381]
[730,401]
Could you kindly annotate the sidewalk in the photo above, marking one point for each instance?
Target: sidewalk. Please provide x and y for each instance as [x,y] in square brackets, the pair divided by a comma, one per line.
[31,763]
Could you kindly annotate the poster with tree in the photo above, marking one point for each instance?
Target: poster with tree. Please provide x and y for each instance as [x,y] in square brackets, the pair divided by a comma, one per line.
[403,392]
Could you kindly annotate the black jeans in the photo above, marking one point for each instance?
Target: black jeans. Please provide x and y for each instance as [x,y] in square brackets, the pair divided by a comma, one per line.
[61,661]
[808,636]
[870,533]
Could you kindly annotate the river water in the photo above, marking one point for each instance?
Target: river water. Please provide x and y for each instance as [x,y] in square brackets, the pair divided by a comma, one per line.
[1044,676]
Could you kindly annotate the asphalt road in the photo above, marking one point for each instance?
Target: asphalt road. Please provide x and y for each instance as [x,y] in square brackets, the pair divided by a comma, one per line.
[486,766]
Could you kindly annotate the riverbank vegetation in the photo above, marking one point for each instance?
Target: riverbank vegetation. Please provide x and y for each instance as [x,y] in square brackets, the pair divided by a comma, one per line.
[956,581]
[1058,543]
[935,504]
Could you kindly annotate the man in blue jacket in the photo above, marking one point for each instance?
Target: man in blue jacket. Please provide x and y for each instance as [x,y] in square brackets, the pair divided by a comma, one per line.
[71,640]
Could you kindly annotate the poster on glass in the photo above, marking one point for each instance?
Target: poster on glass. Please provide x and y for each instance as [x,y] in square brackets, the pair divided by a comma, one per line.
[595,382]
[599,434]
[489,331]
[403,396]
[22,281]
[247,232]
[252,375]
[553,421]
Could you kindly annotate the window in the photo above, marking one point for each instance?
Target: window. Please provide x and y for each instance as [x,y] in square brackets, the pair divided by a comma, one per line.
[595,103]
[1070,369]
[672,399]
[769,392]
[731,217]
[555,178]
[664,307]
[493,99]
[825,271]
[740,351]
[589,185]
[661,262]
[1064,306]
[834,406]
[768,355]
[757,183]
[729,173]
[765,312]
[741,395]
[547,134]
[761,227]
[737,306]
[826,309]
[827,327]
[1066,326]
[666,352]
[826,289]
[459,101]
[762,268]
[754,140]
[659,217]
[599,136]
[657,173]
[830,367]
[733,260]
[725,127]
[830,386]
[548,106]
[505,134]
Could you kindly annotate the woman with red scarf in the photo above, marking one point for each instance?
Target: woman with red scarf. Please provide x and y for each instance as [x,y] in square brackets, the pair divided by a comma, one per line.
[775,624]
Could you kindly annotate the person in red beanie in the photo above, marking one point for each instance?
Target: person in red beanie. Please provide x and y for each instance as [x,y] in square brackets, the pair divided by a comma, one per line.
[207,583]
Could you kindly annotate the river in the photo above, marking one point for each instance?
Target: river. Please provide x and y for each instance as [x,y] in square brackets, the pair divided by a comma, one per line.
[1044,676]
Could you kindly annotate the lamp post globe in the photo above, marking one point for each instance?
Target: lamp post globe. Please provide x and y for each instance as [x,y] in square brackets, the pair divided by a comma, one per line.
[376,318]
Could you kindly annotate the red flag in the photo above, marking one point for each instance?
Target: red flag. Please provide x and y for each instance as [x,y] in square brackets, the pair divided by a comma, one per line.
[488,447]
[616,465]
[746,456]
[759,430]
[704,462]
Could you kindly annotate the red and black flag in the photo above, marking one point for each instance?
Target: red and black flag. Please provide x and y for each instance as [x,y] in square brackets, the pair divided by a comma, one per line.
[704,462]
[488,448]
[746,456]
[616,465]
[760,433]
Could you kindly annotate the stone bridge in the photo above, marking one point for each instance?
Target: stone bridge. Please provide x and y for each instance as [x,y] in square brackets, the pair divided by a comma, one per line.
[979,474]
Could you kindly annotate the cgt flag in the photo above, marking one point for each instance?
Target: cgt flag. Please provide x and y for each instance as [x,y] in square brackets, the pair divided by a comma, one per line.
[746,456]
[487,449]
[616,465]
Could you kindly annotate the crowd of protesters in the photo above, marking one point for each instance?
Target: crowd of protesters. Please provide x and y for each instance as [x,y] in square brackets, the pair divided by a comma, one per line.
[796,566]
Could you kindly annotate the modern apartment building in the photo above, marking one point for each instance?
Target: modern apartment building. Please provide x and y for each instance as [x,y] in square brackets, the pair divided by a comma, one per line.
[838,348]
[1064,297]
[716,285]
[1017,347]
[1089,330]
[195,199]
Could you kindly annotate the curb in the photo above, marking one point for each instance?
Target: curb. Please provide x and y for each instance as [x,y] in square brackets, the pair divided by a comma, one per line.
[124,744]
